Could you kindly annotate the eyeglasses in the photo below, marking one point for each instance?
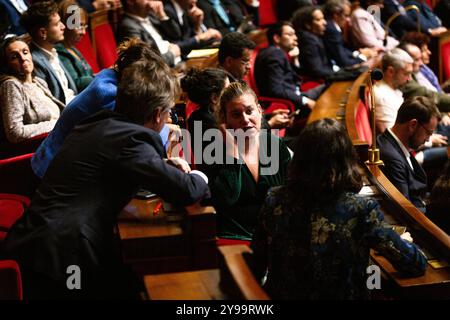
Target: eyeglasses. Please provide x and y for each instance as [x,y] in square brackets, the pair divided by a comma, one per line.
[429,132]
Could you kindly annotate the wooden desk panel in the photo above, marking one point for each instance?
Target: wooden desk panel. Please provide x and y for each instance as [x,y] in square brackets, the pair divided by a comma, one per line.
[331,104]
[195,285]
[168,241]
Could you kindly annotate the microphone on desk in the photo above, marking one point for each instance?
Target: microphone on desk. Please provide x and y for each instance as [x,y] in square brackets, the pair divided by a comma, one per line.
[374,152]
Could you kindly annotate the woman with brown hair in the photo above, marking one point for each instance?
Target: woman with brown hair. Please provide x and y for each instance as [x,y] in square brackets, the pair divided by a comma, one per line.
[315,232]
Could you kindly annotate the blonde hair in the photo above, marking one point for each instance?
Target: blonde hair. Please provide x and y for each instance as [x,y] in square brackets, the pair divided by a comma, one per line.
[233,91]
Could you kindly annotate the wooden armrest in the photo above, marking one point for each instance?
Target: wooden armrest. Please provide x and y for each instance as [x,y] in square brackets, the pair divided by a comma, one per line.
[240,272]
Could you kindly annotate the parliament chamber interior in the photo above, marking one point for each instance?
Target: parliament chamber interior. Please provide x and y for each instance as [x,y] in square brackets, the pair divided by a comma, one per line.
[118,160]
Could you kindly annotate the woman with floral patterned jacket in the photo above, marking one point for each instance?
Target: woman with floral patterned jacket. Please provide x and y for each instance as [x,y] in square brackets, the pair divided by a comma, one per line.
[315,232]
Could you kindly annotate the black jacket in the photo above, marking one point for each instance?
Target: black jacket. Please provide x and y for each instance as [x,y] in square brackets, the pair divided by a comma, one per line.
[335,47]
[98,170]
[313,57]
[275,77]
[411,183]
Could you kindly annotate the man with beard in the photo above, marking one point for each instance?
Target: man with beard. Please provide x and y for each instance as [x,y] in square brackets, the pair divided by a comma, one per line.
[416,120]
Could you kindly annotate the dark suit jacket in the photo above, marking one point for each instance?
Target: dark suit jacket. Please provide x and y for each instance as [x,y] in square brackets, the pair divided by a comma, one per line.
[99,168]
[411,183]
[428,19]
[182,35]
[275,77]
[131,28]
[335,47]
[44,70]
[402,24]
[313,57]
[213,20]
[14,17]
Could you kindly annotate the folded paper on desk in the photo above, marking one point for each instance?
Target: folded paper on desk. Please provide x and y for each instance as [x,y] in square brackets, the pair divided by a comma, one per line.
[202,53]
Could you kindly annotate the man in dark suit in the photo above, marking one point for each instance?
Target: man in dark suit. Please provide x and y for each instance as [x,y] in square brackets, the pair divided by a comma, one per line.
[403,22]
[44,25]
[274,74]
[14,9]
[143,20]
[222,15]
[416,120]
[190,32]
[309,23]
[100,167]
[337,13]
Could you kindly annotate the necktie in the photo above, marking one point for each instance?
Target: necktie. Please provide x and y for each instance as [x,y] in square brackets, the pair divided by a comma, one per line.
[221,12]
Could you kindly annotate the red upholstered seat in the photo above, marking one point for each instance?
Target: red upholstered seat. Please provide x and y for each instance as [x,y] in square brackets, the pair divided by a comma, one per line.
[267,12]
[86,49]
[444,57]
[190,107]
[231,242]
[103,39]
[10,280]
[362,122]
[445,52]
[106,45]
[16,175]
[12,207]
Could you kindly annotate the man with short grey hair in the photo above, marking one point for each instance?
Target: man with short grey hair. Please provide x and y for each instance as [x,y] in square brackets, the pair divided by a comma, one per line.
[397,68]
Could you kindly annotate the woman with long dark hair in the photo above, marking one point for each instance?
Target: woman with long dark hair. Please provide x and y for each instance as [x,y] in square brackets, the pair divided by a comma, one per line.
[315,232]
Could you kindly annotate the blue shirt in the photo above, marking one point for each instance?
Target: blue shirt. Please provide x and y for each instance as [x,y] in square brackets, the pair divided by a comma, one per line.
[99,95]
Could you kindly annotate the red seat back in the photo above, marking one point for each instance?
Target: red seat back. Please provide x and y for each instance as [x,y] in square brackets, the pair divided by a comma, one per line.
[16,175]
[103,39]
[362,122]
[267,12]
[10,281]
[12,207]
[445,54]
[86,49]
[190,107]
[105,44]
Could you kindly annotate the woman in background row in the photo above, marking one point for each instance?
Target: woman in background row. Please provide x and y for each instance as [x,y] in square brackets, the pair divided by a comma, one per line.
[28,107]
[73,60]
[315,232]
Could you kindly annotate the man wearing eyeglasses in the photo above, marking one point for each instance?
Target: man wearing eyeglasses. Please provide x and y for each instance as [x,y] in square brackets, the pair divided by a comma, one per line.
[416,121]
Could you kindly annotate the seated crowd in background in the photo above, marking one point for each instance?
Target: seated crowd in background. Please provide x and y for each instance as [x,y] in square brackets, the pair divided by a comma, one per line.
[47,86]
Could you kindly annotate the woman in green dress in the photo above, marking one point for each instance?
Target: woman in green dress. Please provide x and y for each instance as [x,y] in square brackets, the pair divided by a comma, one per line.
[253,161]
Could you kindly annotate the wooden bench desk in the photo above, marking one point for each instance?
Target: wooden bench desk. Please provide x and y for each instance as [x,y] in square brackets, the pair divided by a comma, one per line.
[192,285]
[168,241]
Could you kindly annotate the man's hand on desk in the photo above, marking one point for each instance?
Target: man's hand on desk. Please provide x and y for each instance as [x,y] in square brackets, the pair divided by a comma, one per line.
[179,163]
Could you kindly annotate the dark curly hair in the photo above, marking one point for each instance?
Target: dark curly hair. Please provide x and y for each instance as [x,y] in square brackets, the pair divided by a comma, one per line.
[202,85]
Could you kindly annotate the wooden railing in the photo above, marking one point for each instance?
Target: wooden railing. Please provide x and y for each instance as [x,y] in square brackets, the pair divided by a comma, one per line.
[340,101]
